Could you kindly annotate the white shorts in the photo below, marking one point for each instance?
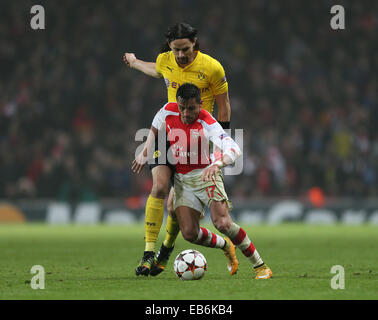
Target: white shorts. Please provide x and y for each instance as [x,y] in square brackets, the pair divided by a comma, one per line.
[192,192]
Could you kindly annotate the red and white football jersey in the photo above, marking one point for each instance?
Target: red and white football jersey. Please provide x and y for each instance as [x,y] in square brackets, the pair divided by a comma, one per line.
[190,146]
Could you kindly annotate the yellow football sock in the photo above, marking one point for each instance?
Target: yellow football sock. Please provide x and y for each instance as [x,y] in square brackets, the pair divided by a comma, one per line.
[171,232]
[153,220]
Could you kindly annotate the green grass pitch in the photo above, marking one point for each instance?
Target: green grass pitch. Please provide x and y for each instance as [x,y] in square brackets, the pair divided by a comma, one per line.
[98,262]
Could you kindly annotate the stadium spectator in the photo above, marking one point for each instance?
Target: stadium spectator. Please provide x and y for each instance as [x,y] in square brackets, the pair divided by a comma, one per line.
[305,95]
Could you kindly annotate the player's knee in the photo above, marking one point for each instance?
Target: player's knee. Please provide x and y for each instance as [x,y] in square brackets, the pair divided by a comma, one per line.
[189,234]
[222,224]
[159,189]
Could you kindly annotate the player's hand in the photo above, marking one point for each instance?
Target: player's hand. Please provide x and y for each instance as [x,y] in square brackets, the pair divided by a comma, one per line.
[210,172]
[139,163]
[129,59]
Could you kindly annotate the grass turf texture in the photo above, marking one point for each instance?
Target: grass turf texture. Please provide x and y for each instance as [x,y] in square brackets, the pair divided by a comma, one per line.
[98,262]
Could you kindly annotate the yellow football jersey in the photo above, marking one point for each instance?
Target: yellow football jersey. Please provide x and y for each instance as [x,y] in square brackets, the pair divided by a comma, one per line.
[205,72]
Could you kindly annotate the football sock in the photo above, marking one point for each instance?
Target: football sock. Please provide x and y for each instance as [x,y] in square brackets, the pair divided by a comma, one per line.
[209,239]
[241,240]
[153,219]
[172,229]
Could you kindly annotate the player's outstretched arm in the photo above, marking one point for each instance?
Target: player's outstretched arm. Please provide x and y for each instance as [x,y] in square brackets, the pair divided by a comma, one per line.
[224,107]
[149,68]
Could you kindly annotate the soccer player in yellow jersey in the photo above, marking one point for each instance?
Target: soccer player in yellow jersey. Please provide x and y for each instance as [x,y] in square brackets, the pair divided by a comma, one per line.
[180,61]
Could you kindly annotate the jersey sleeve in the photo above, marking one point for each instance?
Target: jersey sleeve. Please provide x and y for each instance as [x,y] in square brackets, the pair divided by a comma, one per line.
[218,79]
[158,63]
[216,134]
[159,120]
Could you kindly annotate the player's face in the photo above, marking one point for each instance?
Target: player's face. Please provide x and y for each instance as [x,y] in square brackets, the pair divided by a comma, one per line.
[189,110]
[183,49]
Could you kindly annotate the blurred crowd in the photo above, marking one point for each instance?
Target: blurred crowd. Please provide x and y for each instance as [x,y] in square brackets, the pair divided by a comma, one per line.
[304,94]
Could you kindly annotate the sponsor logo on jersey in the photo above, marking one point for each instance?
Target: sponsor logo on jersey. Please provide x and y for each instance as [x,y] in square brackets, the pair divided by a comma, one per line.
[176,85]
[179,152]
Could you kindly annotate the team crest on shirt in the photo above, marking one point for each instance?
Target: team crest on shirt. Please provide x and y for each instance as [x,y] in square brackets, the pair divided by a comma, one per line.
[157,154]
[201,75]
[167,83]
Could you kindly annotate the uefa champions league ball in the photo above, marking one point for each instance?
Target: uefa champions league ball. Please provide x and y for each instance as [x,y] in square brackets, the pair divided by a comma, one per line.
[190,265]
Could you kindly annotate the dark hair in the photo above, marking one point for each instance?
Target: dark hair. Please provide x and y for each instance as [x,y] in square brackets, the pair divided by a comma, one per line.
[188,91]
[180,31]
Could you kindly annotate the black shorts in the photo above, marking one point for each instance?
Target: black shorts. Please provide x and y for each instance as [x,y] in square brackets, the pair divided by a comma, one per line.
[157,157]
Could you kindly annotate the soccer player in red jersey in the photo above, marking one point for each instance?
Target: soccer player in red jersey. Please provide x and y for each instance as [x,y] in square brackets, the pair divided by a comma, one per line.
[198,181]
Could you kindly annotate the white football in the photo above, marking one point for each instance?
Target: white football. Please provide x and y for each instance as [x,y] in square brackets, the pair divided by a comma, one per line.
[190,265]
